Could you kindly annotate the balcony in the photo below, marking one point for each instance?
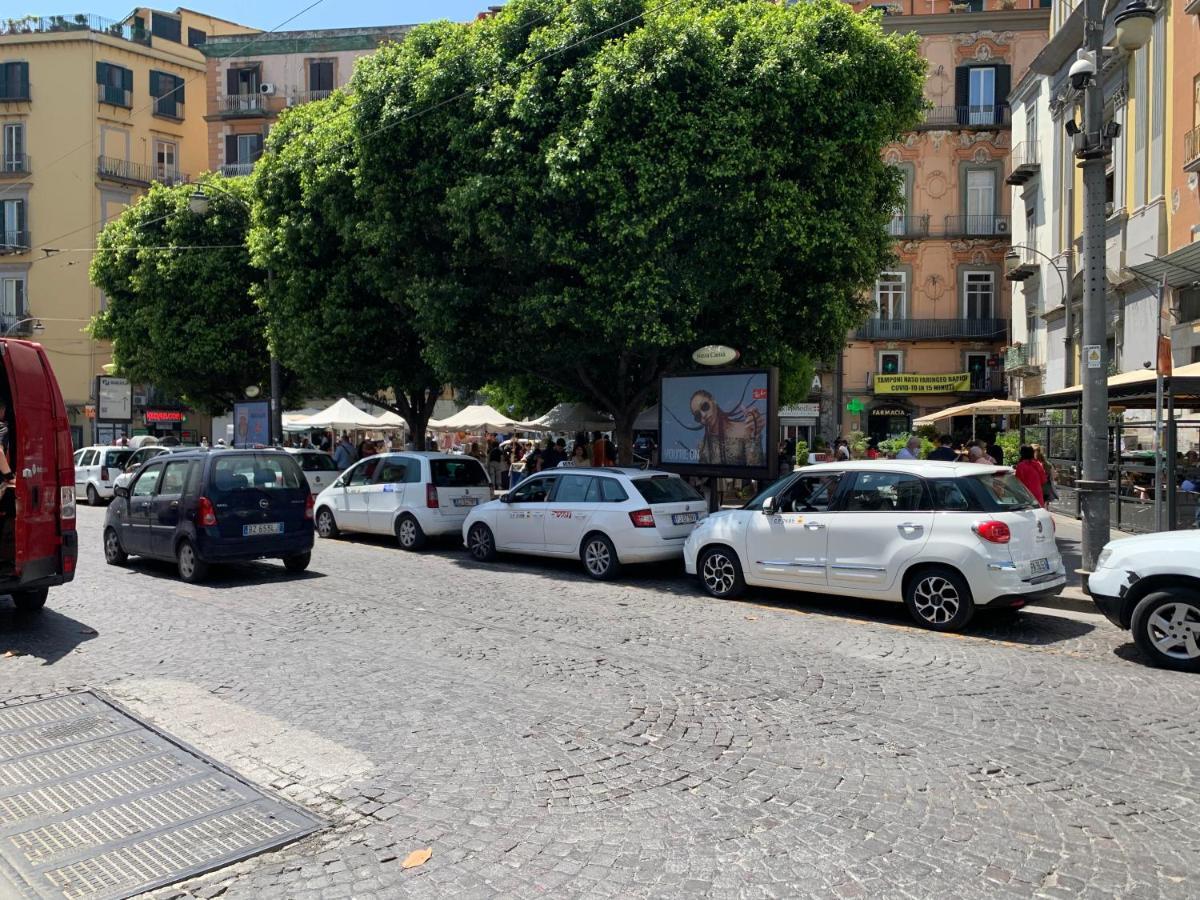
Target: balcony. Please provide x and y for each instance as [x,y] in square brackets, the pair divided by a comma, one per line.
[242,104]
[1191,150]
[300,97]
[988,381]
[10,326]
[1022,360]
[1025,163]
[978,226]
[969,118]
[14,242]
[78,22]
[127,172]
[909,226]
[14,164]
[1025,265]
[115,96]
[232,170]
[932,330]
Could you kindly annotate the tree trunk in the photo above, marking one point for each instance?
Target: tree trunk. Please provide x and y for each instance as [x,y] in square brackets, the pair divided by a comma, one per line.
[623,432]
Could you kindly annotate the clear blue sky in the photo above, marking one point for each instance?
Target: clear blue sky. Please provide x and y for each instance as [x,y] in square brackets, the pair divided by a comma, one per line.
[267,14]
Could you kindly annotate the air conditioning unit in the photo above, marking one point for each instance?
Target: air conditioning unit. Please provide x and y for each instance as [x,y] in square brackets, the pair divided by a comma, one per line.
[1001,226]
[266,89]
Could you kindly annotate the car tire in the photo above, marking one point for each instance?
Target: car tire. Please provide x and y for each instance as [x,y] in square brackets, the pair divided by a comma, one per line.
[93,497]
[481,543]
[31,601]
[192,569]
[409,534]
[1166,627]
[599,557]
[297,563]
[327,524]
[940,599]
[114,553]
[721,573]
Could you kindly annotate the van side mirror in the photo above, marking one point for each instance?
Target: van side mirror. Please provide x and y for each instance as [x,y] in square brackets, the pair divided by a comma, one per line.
[506,498]
[121,491]
[768,507]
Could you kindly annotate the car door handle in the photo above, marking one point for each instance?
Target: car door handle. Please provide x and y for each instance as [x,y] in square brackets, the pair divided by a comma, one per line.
[174,504]
[910,526]
[814,526]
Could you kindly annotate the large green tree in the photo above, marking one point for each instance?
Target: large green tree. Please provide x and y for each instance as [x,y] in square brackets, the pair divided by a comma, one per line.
[333,311]
[585,191]
[180,312]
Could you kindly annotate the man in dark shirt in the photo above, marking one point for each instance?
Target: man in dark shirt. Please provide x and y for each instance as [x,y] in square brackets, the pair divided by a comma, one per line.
[944,451]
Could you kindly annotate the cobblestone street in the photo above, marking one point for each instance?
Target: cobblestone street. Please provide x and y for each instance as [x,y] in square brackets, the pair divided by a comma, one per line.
[547,735]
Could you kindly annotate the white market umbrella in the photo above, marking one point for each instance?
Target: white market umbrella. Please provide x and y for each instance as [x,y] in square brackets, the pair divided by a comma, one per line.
[980,408]
[482,418]
[342,415]
[575,417]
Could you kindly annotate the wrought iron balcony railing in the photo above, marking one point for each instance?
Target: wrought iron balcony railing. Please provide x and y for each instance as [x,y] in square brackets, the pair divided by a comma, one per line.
[932,330]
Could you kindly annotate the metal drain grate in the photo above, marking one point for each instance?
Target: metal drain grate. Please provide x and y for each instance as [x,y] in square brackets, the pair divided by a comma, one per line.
[95,805]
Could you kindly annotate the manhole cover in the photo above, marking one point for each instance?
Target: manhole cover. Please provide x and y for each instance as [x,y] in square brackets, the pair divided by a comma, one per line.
[95,804]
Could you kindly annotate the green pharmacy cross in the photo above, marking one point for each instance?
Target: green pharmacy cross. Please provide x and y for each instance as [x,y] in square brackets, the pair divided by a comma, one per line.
[855,406]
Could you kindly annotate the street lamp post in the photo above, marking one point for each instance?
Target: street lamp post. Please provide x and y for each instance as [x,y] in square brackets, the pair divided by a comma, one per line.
[1092,144]
[198,203]
[37,325]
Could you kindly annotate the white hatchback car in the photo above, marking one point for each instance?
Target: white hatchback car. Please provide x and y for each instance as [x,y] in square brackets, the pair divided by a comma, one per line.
[318,467]
[411,495]
[944,538]
[96,468]
[603,516]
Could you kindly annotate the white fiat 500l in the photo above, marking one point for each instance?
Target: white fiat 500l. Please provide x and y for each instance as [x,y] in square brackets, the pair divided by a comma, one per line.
[943,538]
[605,517]
[411,495]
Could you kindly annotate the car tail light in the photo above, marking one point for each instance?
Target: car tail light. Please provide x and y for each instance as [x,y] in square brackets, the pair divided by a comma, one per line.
[431,499]
[308,506]
[643,518]
[205,514]
[992,531]
[104,473]
[66,506]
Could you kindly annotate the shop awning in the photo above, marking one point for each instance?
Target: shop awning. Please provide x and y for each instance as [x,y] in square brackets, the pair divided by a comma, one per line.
[343,414]
[1180,268]
[482,418]
[981,408]
[1130,389]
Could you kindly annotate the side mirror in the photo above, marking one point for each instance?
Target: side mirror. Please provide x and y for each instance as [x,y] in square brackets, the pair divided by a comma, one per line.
[506,497]
[768,507]
[121,491]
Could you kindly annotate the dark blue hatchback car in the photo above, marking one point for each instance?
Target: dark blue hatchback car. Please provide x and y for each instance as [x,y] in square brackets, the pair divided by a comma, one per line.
[213,506]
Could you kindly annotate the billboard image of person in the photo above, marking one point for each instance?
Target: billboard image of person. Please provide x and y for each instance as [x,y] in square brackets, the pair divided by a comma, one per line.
[718,422]
[250,424]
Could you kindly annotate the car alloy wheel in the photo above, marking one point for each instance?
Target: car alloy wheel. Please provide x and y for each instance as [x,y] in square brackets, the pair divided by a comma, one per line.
[114,555]
[936,600]
[600,558]
[92,497]
[719,573]
[409,533]
[480,543]
[326,527]
[191,567]
[1166,626]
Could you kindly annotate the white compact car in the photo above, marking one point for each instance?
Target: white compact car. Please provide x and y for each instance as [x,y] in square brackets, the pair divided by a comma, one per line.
[96,468]
[318,468]
[1150,584]
[411,495]
[603,516]
[944,538]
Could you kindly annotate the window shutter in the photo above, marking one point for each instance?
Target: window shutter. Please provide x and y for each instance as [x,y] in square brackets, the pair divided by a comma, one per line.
[1003,86]
[3,80]
[258,148]
[127,81]
[962,91]
[101,73]
[23,79]
[231,81]
[231,154]
[178,90]
[20,214]
[20,298]
[154,92]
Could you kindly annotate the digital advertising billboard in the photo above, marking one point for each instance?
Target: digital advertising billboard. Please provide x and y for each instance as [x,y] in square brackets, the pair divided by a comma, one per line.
[722,423]
[251,424]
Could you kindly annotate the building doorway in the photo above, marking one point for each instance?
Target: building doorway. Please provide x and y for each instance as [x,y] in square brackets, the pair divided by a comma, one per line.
[888,421]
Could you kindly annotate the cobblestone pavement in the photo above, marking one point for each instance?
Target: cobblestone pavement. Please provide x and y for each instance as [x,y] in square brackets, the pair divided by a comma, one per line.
[546,735]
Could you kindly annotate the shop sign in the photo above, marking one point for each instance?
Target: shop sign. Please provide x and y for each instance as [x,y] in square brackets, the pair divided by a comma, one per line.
[800,411]
[114,398]
[889,411]
[715,355]
[163,415]
[922,384]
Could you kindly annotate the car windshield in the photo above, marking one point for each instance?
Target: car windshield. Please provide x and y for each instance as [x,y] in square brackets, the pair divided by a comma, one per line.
[665,489]
[1005,490]
[465,472]
[317,462]
[769,491]
[255,471]
[116,458]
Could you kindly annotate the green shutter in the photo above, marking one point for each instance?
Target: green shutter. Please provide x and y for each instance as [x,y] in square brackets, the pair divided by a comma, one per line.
[154,92]
[3,80]
[127,81]
[179,90]
[101,73]
[23,78]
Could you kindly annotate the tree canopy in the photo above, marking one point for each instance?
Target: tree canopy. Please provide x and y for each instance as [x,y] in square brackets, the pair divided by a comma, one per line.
[178,285]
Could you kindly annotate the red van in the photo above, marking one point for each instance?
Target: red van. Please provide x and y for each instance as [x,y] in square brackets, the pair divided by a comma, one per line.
[40,547]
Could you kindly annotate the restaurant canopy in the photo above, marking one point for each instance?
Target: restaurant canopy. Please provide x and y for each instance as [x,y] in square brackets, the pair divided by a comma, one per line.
[980,408]
[1133,390]
[482,418]
[343,414]
[575,417]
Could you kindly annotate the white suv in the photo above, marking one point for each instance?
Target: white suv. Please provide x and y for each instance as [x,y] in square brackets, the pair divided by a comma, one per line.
[96,468]
[1150,584]
[944,538]
[411,495]
[604,517]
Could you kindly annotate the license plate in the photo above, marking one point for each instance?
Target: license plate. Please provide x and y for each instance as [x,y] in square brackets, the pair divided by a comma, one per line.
[684,518]
[1039,566]
[465,501]
[264,528]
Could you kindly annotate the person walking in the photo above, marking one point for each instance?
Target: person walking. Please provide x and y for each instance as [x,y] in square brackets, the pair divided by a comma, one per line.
[944,452]
[841,450]
[1049,494]
[911,449]
[579,456]
[598,450]
[1031,474]
[344,455]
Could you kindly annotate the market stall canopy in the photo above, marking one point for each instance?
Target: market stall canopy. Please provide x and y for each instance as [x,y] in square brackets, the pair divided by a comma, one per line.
[981,408]
[388,419]
[575,417]
[297,419]
[1130,389]
[344,415]
[647,419]
[482,418]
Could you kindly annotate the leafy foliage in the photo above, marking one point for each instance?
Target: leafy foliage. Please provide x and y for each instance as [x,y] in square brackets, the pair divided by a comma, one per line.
[183,319]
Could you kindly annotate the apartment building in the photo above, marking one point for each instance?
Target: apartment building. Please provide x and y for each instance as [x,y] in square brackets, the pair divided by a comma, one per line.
[940,318]
[91,112]
[248,86]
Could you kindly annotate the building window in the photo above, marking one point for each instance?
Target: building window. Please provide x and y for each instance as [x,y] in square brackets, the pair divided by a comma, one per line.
[320,78]
[14,81]
[977,368]
[12,224]
[166,165]
[241,152]
[166,27]
[12,299]
[981,201]
[115,84]
[242,81]
[196,37]
[980,92]
[13,158]
[1189,304]
[979,290]
[1031,121]
[167,91]
[890,296]
[891,362]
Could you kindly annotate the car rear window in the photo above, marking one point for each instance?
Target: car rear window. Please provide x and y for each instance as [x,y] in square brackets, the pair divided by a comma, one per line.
[317,462]
[465,472]
[1003,490]
[255,472]
[116,458]
[665,489]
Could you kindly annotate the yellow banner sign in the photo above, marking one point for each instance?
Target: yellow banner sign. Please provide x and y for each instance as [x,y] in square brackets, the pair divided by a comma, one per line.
[922,384]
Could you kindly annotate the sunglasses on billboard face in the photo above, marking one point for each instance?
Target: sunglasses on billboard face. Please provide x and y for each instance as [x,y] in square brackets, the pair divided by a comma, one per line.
[704,407]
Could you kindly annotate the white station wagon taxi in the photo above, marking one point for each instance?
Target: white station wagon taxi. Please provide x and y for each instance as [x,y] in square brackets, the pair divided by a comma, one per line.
[605,517]
[943,538]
